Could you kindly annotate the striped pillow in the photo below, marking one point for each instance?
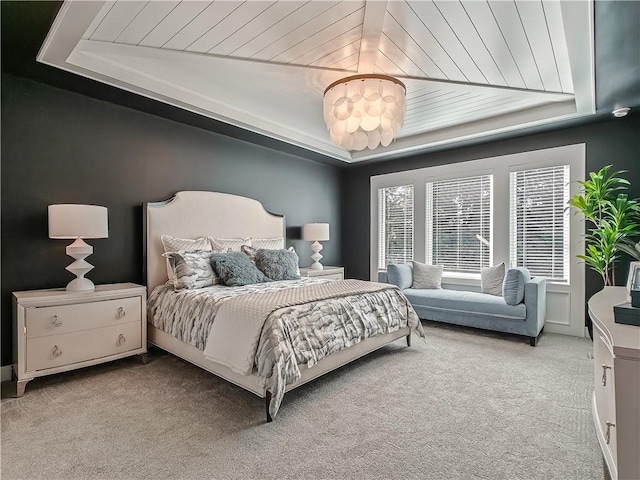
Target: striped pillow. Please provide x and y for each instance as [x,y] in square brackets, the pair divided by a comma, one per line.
[229,244]
[268,243]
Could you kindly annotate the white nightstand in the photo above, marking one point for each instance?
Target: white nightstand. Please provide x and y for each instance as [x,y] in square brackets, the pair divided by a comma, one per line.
[56,331]
[334,273]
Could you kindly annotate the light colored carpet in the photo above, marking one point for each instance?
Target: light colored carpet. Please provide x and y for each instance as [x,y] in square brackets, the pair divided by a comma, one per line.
[465,404]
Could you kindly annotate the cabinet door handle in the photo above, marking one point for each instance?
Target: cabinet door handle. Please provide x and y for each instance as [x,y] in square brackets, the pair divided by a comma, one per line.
[607,435]
[56,322]
[121,313]
[605,367]
[590,356]
[56,352]
[121,340]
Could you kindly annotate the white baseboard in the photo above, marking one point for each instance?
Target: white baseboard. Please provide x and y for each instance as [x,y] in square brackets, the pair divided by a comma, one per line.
[5,373]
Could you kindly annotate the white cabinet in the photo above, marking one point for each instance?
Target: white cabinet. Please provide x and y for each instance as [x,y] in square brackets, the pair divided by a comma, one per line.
[333,273]
[56,330]
[616,396]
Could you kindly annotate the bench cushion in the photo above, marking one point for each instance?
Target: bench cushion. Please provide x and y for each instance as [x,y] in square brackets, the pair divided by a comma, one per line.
[467,302]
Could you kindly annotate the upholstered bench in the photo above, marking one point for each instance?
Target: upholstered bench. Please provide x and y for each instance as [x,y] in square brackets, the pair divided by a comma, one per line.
[520,310]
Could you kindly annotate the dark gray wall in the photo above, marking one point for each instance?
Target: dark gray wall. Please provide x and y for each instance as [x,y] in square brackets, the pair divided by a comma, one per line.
[62,147]
[615,142]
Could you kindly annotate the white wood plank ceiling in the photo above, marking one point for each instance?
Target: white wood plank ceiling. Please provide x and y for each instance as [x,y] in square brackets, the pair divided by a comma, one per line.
[471,67]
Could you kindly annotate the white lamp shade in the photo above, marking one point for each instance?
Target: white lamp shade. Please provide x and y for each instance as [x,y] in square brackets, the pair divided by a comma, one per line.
[315,231]
[78,221]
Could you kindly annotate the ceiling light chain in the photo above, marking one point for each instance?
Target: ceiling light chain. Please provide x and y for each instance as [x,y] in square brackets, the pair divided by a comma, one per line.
[364,111]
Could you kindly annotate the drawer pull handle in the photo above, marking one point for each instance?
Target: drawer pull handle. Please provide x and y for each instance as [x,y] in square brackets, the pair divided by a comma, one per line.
[121,313]
[607,436]
[121,340]
[605,367]
[56,352]
[56,322]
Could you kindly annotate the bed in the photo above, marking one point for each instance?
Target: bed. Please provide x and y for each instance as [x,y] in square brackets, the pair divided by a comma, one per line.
[196,214]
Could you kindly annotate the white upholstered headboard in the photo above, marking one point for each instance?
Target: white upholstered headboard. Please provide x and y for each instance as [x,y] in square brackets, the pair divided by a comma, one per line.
[201,214]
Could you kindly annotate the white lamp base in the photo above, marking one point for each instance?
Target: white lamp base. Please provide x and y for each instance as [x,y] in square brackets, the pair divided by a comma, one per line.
[316,257]
[80,250]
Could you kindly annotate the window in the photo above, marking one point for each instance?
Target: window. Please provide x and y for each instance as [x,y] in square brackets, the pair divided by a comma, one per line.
[476,213]
[458,223]
[395,225]
[540,221]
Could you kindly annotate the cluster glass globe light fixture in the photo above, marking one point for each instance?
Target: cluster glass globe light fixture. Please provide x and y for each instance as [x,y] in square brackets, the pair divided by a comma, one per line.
[364,111]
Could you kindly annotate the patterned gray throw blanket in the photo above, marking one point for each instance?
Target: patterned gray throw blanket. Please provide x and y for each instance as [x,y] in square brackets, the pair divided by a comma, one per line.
[298,329]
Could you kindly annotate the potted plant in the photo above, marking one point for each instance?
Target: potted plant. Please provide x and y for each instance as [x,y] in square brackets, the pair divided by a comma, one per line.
[614,219]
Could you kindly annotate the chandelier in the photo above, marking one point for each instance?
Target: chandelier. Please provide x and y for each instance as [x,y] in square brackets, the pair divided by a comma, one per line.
[364,111]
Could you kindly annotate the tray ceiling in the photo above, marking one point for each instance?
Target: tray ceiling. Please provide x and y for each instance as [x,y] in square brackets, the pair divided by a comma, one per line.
[471,68]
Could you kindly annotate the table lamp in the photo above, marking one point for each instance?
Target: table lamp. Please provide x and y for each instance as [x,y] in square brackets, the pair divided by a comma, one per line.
[78,222]
[315,232]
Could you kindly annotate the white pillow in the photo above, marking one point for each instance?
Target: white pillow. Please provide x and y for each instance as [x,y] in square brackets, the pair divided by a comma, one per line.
[491,279]
[229,244]
[268,243]
[426,276]
[173,244]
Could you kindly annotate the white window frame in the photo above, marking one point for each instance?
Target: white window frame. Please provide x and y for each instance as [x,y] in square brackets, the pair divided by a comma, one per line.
[500,167]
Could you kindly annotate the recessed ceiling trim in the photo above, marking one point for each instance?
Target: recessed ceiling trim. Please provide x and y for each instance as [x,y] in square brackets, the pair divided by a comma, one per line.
[534,116]
[110,60]
[499,46]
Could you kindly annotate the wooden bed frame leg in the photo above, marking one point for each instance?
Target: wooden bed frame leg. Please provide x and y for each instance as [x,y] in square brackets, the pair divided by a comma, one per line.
[409,340]
[267,400]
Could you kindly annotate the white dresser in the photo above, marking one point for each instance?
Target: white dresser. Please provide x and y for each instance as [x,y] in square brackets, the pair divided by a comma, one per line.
[333,273]
[55,330]
[616,397]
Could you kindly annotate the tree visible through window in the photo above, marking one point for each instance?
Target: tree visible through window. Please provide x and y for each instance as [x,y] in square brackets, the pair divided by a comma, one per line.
[395,225]
[459,223]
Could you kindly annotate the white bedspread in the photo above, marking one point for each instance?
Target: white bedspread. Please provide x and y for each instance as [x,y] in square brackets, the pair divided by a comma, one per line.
[234,336]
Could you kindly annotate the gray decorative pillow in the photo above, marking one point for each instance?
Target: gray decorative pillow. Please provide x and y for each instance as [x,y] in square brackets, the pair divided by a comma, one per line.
[400,275]
[426,276]
[251,253]
[491,279]
[192,269]
[278,264]
[235,269]
[513,286]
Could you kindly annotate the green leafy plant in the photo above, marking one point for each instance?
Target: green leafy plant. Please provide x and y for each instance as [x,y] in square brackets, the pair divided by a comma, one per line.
[614,219]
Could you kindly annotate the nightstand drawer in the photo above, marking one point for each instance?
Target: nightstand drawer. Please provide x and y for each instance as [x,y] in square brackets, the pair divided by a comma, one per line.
[57,350]
[54,320]
[330,273]
[333,276]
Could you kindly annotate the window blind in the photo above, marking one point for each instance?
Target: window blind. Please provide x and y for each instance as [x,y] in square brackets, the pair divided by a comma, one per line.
[459,223]
[539,227]
[395,225]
